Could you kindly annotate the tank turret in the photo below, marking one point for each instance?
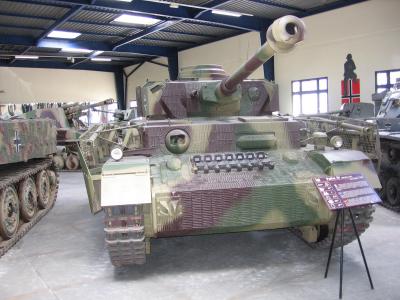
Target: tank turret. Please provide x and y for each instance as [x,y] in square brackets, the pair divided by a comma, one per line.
[206,90]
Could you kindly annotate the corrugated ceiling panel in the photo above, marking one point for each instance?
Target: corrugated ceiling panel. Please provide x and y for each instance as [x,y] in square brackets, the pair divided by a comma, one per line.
[202,29]
[178,37]
[257,9]
[95,16]
[159,43]
[19,31]
[192,2]
[307,4]
[103,29]
[98,38]
[32,9]
[7,20]
[12,48]
[123,54]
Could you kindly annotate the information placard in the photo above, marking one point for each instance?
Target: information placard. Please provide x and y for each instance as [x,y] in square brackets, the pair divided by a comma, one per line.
[344,191]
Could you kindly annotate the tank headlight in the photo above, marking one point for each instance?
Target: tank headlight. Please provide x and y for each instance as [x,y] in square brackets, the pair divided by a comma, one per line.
[336,141]
[117,153]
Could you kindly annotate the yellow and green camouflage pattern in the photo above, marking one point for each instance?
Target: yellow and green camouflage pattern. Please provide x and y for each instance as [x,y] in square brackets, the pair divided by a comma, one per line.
[22,140]
[208,156]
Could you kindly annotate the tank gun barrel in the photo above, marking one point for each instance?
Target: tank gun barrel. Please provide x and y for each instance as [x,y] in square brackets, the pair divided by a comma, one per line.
[73,109]
[282,36]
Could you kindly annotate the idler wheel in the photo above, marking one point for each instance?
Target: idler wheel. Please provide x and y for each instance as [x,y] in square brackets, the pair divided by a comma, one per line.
[393,191]
[72,162]
[58,161]
[43,188]
[9,212]
[28,199]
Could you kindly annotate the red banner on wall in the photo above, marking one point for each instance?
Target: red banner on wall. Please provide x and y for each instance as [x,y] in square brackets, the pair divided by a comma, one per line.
[351,93]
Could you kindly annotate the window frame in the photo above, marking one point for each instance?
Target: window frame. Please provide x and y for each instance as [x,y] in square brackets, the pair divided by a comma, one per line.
[388,85]
[318,91]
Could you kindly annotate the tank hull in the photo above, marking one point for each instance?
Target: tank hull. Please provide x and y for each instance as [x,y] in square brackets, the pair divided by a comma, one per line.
[28,179]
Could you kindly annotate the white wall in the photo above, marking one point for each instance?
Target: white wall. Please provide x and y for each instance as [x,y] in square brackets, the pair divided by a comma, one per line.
[147,71]
[369,30]
[230,53]
[24,85]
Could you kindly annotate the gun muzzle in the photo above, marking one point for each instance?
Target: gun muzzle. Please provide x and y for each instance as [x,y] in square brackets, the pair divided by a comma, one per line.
[282,36]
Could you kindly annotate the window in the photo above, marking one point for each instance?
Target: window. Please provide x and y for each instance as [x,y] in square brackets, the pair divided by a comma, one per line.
[310,96]
[384,80]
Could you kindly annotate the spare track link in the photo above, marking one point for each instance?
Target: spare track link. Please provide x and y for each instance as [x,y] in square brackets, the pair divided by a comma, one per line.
[19,173]
[362,217]
[124,235]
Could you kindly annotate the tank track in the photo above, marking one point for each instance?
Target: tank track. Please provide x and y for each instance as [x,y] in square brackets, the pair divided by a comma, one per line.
[384,176]
[362,217]
[124,234]
[21,172]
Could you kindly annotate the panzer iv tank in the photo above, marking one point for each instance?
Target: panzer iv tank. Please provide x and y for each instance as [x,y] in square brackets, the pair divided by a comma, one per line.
[28,178]
[209,157]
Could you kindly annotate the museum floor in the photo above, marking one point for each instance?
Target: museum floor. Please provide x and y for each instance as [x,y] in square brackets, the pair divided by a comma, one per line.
[64,257]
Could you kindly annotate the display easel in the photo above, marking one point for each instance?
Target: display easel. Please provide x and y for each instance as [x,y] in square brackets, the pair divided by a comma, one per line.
[341,213]
[341,193]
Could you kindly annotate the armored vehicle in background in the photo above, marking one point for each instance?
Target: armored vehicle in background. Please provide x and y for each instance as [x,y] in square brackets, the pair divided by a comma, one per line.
[28,178]
[69,128]
[208,156]
[388,121]
[360,110]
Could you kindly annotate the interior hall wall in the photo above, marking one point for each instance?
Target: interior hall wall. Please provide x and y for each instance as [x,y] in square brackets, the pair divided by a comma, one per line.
[370,31]
[27,85]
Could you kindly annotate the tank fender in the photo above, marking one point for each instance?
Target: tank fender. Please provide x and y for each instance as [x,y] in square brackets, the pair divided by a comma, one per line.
[339,162]
[126,182]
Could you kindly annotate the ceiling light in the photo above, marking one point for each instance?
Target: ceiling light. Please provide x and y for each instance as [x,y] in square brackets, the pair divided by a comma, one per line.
[26,57]
[174,5]
[100,59]
[124,0]
[131,19]
[76,50]
[226,13]
[63,34]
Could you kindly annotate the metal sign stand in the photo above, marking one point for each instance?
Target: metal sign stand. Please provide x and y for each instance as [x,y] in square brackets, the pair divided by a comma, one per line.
[341,213]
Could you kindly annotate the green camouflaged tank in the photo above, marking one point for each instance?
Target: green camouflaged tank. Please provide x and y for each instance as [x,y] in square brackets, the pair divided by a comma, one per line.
[28,179]
[209,157]
[69,129]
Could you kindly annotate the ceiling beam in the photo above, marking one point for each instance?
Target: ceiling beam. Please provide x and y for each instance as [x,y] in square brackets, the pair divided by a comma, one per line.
[147,31]
[19,15]
[72,12]
[95,46]
[60,65]
[248,23]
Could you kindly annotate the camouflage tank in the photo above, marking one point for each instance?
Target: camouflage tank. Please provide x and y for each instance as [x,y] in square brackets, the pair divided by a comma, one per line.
[28,178]
[388,122]
[69,128]
[208,157]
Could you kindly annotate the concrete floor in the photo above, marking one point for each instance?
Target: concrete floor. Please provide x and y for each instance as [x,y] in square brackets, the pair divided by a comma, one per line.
[64,257]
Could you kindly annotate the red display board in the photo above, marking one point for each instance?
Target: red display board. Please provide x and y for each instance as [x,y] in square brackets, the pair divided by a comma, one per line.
[352,95]
[345,191]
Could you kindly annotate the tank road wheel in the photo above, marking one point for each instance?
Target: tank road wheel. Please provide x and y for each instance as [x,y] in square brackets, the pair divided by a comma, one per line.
[58,161]
[28,199]
[72,162]
[9,212]
[43,188]
[393,191]
[362,217]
